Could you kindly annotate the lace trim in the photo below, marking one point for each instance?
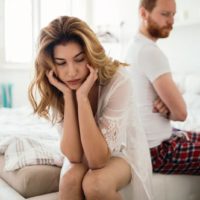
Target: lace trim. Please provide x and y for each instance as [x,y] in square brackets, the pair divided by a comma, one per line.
[109,130]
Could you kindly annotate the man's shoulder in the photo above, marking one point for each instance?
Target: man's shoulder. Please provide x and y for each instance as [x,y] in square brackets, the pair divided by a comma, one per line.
[140,43]
[142,40]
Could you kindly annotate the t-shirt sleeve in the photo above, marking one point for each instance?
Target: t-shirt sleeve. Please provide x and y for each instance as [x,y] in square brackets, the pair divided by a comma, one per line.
[153,62]
[113,118]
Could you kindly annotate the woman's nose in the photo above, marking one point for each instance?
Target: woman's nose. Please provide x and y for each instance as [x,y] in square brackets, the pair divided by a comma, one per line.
[72,71]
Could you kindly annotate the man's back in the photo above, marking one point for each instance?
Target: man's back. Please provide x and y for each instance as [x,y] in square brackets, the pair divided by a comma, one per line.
[148,63]
[157,95]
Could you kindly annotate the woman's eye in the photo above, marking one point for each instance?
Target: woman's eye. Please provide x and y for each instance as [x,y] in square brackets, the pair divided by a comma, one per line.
[63,63]
[80,59]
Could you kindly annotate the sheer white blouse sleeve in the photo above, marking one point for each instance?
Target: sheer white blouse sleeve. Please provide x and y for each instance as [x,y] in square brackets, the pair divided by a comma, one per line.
[112,115]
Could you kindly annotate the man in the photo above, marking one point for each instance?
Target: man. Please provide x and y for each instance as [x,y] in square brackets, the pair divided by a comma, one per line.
[158,98]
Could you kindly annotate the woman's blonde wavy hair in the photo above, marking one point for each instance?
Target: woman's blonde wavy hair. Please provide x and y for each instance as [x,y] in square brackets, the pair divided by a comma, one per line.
[63,30]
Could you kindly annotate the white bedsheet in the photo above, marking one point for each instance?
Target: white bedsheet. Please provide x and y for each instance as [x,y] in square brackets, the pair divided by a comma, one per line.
[21,121]
[26,139]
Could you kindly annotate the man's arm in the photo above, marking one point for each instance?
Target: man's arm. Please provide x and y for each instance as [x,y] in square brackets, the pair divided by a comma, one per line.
[160,107]
[171,97]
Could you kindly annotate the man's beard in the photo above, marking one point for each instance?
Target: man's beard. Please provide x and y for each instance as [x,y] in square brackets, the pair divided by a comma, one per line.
[156,31]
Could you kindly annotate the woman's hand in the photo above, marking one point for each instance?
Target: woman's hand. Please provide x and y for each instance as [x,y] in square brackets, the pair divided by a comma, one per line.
[58,84]
[160,107]
[85,88]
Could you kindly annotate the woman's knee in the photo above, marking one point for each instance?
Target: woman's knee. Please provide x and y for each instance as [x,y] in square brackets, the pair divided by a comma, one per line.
[95,186]
[71,179]
[68,181]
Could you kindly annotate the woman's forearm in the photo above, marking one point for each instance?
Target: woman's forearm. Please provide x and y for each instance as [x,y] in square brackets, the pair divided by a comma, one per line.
[93,143]
[70,141]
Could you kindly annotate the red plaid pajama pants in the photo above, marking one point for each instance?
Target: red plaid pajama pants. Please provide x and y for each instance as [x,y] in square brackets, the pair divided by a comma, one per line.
[178,155]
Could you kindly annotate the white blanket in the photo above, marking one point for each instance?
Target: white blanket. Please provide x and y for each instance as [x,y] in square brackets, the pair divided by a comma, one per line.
[22,122]
[25,151]
[27,140]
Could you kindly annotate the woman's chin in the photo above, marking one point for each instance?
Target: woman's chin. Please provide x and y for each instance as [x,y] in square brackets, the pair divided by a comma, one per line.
[75,87]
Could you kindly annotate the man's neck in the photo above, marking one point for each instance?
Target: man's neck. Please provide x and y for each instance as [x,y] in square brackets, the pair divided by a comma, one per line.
[144,32]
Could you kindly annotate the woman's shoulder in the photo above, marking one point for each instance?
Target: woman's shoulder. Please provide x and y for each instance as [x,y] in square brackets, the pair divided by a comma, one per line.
[121,80]
[122,76]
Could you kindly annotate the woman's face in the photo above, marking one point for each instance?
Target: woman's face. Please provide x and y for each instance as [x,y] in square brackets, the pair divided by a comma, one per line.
[70,61]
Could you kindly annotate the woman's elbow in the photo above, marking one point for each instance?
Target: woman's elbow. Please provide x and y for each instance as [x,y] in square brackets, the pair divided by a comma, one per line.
[96,165]
[73,158]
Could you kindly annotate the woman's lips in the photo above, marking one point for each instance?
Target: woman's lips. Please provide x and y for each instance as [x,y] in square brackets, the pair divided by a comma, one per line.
[73,82]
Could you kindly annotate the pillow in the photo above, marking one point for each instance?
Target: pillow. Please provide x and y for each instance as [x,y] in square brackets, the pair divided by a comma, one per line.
[21,152]
[32,180]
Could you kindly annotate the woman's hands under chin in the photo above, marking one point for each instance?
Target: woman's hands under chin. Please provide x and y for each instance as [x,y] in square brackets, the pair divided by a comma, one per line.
[86,86]
[58,84]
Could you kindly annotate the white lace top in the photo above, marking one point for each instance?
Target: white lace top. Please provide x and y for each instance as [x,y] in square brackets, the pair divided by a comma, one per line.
[112,109]
[119,123]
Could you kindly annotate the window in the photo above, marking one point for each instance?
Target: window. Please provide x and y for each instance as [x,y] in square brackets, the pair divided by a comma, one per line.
[55,8]
[18,28]
[21,21]
[107,22]
[115,22]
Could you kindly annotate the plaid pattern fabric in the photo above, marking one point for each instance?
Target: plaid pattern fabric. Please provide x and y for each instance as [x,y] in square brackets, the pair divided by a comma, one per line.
[178,155]
[25,151]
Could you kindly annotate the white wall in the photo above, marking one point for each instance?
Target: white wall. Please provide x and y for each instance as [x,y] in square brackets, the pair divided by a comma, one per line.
[20,80]
[183,47]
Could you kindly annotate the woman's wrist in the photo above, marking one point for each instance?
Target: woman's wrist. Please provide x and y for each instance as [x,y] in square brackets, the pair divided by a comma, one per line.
[68,95]
[81,97]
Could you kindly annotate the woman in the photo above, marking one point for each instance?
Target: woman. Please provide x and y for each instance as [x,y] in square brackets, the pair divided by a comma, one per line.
[90,95]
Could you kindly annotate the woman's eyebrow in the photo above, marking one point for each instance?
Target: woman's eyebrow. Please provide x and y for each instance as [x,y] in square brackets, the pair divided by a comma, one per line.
[79,54]
[59,59]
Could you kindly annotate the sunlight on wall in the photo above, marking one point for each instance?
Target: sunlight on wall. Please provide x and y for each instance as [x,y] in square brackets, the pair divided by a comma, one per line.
[18,47]
[114,21]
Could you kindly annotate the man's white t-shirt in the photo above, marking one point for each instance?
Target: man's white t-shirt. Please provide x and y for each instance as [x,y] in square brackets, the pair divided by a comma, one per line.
[148,63]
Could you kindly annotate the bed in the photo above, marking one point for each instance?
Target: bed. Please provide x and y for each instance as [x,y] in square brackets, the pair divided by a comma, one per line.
[182,187]
[30,158]
[38,179]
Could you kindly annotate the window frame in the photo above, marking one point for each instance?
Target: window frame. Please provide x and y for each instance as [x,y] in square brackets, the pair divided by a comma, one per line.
[36,23]
[15,65]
